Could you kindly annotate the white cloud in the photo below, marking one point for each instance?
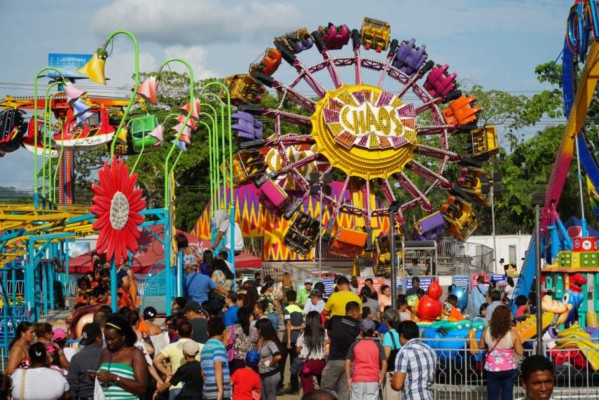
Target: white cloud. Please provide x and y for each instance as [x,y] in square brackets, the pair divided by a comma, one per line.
[194,22]
[195,56]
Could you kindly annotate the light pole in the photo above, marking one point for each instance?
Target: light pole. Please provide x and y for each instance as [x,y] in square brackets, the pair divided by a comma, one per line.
[494,187]
[538,199]
[320,187]
[393,208]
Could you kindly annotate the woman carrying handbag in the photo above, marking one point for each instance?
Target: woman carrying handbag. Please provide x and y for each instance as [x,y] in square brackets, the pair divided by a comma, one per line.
[503,343]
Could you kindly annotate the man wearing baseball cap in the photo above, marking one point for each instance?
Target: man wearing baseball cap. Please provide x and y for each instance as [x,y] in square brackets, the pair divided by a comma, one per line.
[189,373]
[198,321]
[365,363]
[174,353]
[81,386]
[316,303]
[303,294]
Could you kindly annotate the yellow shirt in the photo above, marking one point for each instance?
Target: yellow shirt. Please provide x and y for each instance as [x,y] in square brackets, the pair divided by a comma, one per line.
[174,352]
[338,300]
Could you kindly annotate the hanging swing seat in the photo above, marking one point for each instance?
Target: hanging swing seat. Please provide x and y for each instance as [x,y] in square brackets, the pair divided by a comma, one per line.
[349,242]
[458,213]
[139,130]
[302,234]
[12,129]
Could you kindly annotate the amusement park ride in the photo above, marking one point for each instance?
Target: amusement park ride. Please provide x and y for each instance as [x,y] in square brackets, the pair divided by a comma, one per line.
[389,140]
[374,125]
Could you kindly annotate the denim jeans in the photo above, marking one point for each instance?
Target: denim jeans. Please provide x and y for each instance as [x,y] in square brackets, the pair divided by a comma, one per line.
[173,393]
[501,382]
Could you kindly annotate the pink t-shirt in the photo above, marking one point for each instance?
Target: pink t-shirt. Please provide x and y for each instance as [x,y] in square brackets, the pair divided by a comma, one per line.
[367,355]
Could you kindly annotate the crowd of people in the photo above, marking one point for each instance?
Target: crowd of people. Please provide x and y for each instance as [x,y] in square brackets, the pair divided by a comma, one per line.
[268,338]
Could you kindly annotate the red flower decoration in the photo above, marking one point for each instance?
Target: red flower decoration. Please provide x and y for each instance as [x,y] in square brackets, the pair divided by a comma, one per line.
[117,204]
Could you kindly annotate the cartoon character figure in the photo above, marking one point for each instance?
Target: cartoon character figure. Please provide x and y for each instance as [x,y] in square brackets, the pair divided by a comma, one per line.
[574,297]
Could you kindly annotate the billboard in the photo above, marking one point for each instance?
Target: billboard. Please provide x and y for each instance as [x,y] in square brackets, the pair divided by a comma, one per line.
[67,64]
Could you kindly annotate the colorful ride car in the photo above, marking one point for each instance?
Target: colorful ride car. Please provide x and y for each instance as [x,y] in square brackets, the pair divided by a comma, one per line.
[409,58]
[29,141]
[375,34]
[247,166]
[484,143]
[93,131]
[475,182]
[269,64]
[243,88]
[335,37]
[273,197]
[439,82]
[461,111]
[139,132]
[12,129]
[246,126]
[349,242]
[430,227]
[296,41]
[301,235]
[460,217]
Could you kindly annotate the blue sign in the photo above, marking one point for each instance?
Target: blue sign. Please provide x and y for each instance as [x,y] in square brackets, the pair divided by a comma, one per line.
[67,64]
[425,282]
[329,286]
[499,279]
[462,281]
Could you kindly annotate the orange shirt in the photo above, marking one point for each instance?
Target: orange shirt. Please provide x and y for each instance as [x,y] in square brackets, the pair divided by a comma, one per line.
[455,314]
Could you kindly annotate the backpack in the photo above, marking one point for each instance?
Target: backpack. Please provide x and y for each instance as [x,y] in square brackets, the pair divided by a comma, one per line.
[392,354]
[230,348]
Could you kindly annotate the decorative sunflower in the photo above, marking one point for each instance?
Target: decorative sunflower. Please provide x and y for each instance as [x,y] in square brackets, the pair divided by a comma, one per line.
[117,204]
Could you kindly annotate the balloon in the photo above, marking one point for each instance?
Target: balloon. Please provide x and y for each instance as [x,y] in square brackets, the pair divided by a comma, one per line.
[462,295]
[435,290]
[429,308]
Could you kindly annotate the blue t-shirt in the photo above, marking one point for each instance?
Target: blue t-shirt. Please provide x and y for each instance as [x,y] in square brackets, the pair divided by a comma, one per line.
[231,315]
[392,342]
[197,287]
[214,351]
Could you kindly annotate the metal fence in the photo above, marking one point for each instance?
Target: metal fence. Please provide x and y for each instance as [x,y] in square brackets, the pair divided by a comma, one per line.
[459,374]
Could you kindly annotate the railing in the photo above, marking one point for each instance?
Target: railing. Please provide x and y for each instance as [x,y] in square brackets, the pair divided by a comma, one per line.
[459,374]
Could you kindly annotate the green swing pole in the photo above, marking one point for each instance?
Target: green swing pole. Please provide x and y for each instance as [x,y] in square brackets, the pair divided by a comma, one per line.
[47,141]
[214,151]
[212,163]
[167,179]
[212,195]
[222,124]
[225,89]
[35,106]
[134,94]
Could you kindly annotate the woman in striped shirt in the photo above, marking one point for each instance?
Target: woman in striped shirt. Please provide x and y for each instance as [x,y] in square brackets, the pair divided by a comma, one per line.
[123,371]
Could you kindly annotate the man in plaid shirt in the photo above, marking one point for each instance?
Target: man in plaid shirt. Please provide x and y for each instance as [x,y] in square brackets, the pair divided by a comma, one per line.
[415,365]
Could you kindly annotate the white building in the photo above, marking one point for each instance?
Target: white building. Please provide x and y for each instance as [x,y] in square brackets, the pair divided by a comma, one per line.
[510,249]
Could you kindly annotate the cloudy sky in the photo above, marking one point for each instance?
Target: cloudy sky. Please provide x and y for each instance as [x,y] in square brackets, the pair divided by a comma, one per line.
[493,43]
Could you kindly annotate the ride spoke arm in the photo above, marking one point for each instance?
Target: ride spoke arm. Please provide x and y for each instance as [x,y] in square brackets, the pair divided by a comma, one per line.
[434,152]
[293,95]
[390,56]
[429,175]
[413,191]
[335,77]
[304,73]
[425,68]
[287,116]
